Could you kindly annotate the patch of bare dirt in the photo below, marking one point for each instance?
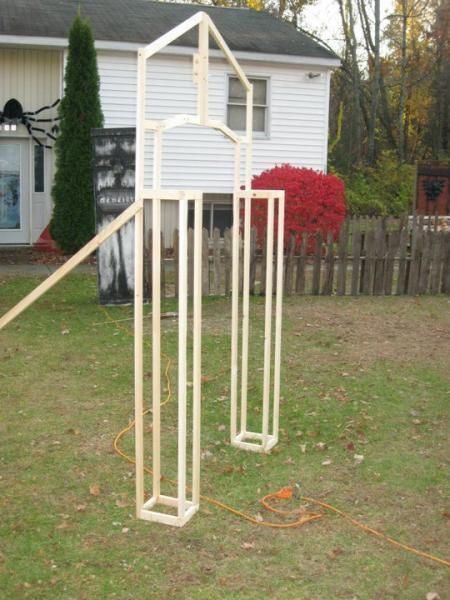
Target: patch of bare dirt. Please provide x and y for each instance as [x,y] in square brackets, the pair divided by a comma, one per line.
[379,332]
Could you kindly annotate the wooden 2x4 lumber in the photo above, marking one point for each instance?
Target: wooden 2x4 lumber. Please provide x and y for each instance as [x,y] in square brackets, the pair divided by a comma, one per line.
[182,352]
[245,313]
[174,34]
[138,356]
[228,54]
[278,319]
[197,342]
[268,322]
[138,298]
[156,344]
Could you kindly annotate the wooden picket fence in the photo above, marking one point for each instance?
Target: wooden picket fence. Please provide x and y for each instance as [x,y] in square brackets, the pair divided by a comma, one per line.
[372,256]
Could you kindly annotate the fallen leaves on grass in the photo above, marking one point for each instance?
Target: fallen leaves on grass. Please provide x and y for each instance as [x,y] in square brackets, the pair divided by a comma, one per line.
[333,554]
[94,490]
[248,545]
[73,431]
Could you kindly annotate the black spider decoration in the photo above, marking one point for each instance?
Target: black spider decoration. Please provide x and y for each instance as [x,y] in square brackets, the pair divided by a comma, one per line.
[14,114]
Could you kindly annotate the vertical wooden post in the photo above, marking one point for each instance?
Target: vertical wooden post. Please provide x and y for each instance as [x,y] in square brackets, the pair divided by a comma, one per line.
[253,260]
[278,318]
[402,266]
[190,261]
[205,263]
[217,262]
[182,364]
[342,264]
[227,260]
[267,322]
[301,265]
[197,342]
[156,346]
[356,256]
[317,265]
[327,287]
[176,255]
[138,292]
[288,281]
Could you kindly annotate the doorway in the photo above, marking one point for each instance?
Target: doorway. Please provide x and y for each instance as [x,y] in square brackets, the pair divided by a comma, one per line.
[14,191]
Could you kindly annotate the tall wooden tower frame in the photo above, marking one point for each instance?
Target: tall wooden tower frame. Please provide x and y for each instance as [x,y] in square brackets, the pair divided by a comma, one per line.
[261,441]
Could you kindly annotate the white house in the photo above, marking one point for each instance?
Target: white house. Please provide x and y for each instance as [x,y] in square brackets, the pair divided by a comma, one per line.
[290,71]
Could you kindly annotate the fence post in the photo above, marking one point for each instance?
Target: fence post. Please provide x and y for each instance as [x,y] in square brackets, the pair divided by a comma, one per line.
[416,252]
[217,267]
[227,260]
[369,263]
[262,285]
[253,260]
[190,249]
[446,266]
[163,267]
[356,256]
[205,263]
[393,243]
[176,256]
[379,256]
[290,265]
[149,261]
[425,266]
[327,287]
[317,264]
[301,265]
[342,253]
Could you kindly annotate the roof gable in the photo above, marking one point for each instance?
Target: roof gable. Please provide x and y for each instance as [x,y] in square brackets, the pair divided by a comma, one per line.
[143,21]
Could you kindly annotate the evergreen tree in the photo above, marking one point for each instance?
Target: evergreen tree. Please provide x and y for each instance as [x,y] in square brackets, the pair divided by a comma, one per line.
[73,219]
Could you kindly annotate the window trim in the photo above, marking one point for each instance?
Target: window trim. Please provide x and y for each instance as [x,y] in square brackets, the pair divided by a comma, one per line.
[44,186]
[256,134]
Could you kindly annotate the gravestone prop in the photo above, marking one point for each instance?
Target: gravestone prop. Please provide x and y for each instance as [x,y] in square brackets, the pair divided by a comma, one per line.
[114,173]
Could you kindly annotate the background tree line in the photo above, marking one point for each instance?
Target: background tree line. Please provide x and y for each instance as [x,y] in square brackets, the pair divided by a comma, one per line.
[390,100]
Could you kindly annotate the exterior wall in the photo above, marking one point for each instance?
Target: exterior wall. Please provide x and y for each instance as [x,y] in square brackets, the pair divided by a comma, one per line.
[34,78]
[196,158]
[193,157]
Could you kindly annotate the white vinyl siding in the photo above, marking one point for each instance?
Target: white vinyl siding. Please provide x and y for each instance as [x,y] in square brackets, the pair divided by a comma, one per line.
[34,78]
[201,159]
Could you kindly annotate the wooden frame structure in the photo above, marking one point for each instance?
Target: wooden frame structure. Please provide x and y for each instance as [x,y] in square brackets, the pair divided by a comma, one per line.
[258,441]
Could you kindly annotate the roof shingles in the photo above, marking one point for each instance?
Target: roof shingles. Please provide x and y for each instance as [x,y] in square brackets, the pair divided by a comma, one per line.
[142,21]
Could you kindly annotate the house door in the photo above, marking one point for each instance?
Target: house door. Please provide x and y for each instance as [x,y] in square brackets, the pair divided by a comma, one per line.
[14,191]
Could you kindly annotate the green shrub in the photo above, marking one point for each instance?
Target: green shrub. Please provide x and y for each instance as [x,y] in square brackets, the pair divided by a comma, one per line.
[387,189]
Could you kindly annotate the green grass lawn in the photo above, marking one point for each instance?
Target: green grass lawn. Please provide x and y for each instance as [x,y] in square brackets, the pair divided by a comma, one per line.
[360,376]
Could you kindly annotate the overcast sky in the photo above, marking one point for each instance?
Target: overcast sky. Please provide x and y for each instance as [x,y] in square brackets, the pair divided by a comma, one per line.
[323,19]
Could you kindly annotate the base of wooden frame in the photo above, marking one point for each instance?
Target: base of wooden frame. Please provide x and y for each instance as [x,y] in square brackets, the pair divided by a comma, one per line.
[158,517]
[264,445]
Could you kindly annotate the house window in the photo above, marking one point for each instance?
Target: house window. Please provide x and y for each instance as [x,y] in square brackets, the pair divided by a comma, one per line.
[215,215]
[237,107]
[38,169]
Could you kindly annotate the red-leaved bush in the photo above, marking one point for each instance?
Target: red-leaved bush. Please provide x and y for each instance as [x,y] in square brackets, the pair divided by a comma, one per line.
[313,201]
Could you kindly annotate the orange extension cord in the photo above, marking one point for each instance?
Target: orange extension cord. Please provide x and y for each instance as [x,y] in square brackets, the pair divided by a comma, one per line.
[301,515]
